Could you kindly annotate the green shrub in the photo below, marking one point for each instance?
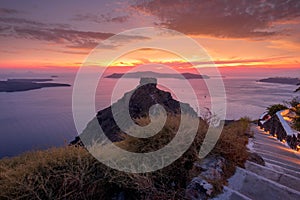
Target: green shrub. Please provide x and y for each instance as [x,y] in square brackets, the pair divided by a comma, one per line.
[296,120]
[275,108]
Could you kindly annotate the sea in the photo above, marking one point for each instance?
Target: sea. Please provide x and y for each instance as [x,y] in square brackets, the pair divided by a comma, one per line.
[43,118]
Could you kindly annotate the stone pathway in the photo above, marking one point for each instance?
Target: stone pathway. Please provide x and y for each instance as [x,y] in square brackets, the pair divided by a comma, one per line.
[278,179]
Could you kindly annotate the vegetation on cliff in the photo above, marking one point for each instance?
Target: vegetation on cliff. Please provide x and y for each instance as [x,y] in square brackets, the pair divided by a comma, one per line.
[72,173]
[273,109]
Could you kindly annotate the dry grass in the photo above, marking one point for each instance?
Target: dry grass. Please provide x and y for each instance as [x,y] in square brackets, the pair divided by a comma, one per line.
[72,173]
[53,174]
[232,145]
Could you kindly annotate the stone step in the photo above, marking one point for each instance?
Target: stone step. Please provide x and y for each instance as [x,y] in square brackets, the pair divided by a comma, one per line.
[289,162]
[229,194]
[279,177]
[265,137]
[295,159]
[258,187]
[281,164]
[284,170]
[271,145]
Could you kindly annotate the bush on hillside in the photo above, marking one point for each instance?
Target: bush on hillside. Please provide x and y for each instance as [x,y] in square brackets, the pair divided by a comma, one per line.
[296,120]
[275,108]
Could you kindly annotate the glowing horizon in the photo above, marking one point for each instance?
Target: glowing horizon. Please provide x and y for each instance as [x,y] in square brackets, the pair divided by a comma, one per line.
[35,38]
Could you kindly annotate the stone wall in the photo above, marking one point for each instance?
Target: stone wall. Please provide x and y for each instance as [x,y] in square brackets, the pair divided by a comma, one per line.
[275,127]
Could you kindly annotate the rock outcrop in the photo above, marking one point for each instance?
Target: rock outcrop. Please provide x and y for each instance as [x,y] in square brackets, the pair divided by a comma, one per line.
[212,168]
[140,100]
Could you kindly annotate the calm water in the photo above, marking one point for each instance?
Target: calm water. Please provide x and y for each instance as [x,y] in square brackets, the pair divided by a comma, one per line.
[42,118]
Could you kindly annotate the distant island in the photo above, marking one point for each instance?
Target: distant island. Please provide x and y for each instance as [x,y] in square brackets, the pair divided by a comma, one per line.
[158,75]
[281,80]
[18,85]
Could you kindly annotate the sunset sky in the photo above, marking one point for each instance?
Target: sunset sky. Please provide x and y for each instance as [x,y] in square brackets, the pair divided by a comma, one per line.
[41,34]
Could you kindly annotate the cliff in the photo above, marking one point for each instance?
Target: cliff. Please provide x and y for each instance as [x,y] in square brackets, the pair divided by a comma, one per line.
[140,100]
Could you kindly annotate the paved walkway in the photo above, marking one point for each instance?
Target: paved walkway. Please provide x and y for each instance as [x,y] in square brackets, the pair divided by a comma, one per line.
[278,179]
[274,151]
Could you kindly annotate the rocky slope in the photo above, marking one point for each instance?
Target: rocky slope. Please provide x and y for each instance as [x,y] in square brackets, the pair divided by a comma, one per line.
[140,100]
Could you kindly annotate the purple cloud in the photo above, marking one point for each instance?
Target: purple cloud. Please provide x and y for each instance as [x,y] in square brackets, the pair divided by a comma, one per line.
[230,19]
[102,18]
[4,11]
[58,33]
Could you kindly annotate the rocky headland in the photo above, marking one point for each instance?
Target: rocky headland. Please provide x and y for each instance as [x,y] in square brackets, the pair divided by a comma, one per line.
[140,100]
[191,177]
[281,80]
[18,85]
